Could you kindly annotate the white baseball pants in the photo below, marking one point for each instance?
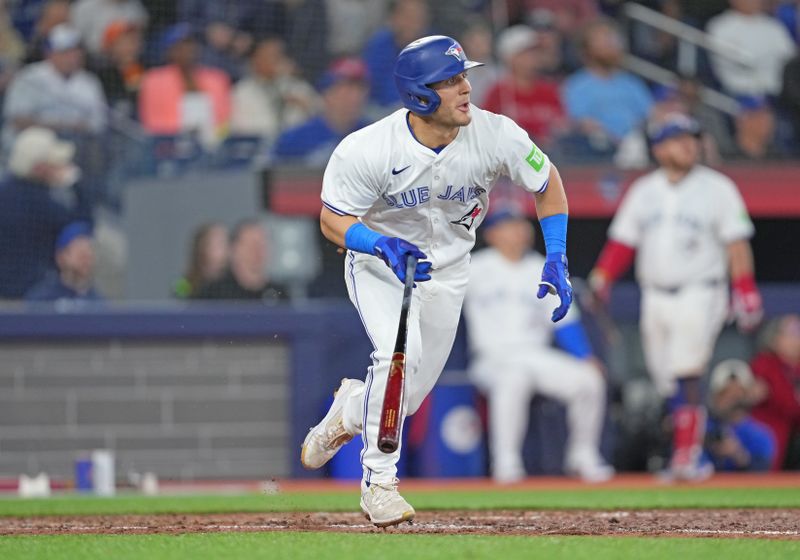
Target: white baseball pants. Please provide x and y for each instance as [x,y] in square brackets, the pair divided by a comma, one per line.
[679,331]
[509,382]
[433,318]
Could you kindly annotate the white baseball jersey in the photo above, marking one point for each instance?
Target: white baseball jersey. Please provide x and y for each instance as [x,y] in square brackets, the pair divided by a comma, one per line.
[503,293]
[400,188]
[509,332]
[681,231]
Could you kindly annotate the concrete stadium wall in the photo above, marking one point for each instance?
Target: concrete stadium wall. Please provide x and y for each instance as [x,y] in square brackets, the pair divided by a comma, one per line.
[183,409]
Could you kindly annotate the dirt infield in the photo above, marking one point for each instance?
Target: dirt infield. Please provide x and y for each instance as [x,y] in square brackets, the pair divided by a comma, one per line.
[734,523]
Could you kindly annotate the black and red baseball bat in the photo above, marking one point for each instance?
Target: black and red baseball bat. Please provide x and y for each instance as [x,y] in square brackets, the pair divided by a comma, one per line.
[389,429]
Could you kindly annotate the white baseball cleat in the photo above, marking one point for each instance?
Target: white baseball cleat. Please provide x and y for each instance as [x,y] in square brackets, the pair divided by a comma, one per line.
[383,505]
[327,437]
[590,469]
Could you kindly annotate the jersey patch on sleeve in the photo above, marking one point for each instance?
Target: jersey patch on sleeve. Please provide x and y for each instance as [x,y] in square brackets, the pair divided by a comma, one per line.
[536,158]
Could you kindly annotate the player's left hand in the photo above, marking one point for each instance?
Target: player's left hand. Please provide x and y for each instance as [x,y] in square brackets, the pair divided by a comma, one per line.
[555,280]
[746,304]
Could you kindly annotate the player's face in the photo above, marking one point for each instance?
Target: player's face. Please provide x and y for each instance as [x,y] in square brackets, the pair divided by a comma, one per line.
[680,152]
[454,108]
[512,238]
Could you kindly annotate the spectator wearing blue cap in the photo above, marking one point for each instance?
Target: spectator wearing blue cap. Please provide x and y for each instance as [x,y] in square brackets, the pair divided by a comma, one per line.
[185,96]
[75,258]
[344,94]
[57,93]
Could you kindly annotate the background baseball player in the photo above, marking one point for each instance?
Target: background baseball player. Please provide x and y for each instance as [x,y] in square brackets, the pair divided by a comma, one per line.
[417,182]
[688,228]
[510,333]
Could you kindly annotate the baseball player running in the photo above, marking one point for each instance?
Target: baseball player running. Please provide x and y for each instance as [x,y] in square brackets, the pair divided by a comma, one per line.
[511,357]
[417,183]
[688,228]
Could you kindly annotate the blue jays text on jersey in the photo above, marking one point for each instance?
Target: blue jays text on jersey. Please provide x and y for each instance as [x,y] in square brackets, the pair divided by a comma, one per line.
[420,195]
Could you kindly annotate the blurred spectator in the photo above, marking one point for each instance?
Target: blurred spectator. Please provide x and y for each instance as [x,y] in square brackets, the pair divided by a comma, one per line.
[557,57]
[119,68]
[790,94]
[778,365]
[698,12]
[231,28]
[477,41]
[684,97]
[344,93]
[510,331]
[270,98]
[183,95]
[57,93]
[308,37]
[788,13]
[532,102]
[235,25]
[755,127]
[570,15]
[92,17]
[605,102]
[32,209]
[734,440]
[408,21]
[246,277]
[12,49]
[764,40]
[351,22]
[208,259]
[75,258]
[53,12]
[452,18]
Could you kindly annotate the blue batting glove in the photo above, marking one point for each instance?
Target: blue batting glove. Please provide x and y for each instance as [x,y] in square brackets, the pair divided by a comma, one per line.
[394,251]
[555,280]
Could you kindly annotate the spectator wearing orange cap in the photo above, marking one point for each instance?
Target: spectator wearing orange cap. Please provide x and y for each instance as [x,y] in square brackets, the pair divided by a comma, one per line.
[92,17]
[118,66]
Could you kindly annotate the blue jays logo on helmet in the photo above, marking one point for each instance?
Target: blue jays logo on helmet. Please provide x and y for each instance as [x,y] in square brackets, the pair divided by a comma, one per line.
[456,51]
[425,62]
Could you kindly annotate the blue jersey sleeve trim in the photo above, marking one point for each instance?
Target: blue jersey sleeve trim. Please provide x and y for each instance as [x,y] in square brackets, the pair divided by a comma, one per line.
[335,210]
[544,187]
[572,338]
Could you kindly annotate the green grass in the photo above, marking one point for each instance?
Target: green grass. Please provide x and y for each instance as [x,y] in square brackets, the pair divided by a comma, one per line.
[319,546]
[681,497]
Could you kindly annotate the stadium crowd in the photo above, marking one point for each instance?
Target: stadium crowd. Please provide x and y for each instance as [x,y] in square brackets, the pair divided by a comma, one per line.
[86,85]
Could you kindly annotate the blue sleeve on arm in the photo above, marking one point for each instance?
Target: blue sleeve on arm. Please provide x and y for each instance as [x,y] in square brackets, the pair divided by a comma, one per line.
[572,338]
[554,231]
[359,237]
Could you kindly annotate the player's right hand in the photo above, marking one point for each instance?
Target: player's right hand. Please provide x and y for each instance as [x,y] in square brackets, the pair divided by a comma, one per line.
[394,251]
[746,304]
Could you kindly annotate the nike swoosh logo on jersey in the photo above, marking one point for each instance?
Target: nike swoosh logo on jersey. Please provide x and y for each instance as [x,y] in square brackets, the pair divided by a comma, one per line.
[398,171]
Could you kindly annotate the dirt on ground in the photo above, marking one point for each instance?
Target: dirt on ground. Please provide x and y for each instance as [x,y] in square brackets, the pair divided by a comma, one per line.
[734,523]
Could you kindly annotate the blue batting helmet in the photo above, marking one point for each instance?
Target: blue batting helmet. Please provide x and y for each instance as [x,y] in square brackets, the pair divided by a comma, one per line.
[424,62]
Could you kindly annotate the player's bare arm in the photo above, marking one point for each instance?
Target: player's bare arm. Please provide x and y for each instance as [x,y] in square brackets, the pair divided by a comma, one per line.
[334,226]
[553,200]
